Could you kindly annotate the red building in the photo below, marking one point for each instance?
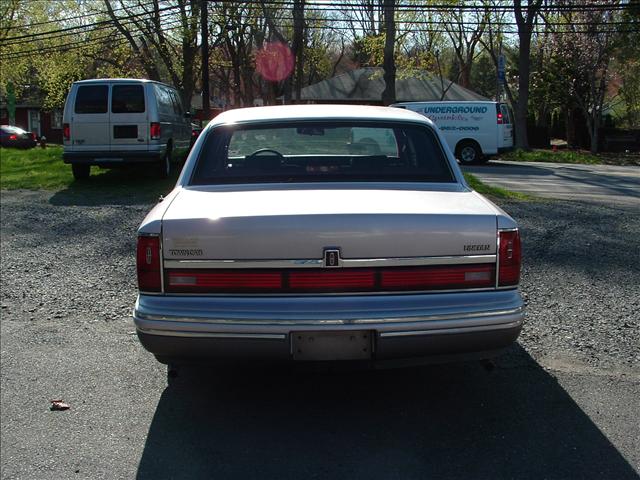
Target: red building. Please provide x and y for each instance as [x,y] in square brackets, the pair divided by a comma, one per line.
[31,117]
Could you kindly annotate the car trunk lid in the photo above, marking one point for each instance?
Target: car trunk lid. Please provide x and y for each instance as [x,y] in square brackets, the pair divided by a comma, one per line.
[301,224]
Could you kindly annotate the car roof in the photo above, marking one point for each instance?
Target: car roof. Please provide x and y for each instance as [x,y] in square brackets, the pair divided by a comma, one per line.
[316,112]
[117,80]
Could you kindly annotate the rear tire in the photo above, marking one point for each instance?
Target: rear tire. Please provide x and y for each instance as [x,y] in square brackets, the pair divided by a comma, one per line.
[164,169]
[80,171]
[468,153]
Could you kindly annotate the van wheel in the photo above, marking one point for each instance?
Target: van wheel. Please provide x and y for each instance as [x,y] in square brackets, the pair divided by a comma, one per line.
[165,164]
[468,153]
[80,171]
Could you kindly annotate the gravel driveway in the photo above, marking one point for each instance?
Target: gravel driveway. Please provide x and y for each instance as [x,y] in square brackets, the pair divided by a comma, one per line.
[562,403]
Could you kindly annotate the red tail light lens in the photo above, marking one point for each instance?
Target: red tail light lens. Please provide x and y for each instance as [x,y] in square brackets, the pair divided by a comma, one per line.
[510,258]
[222,281]
[148,264]
[345,280]
[333,281]
[13,137]
[463,276]
[500,118]
[66,131]
[154,130]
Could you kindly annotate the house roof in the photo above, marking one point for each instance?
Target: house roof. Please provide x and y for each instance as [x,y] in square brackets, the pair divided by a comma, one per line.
[367,84]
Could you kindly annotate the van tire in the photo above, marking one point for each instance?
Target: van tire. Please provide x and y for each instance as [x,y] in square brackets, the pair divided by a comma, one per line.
[164,168]
[469,152]
[80,171]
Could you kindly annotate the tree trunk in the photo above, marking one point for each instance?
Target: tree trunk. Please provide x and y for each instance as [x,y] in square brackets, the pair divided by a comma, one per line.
[593,131]
[522,140]
[298,45]
[389,64]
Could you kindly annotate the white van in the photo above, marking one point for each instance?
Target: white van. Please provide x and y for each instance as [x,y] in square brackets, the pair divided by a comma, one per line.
[473,130]
[115,122]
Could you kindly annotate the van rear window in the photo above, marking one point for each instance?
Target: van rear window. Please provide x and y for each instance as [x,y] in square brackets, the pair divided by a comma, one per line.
[92,99]
[127,99]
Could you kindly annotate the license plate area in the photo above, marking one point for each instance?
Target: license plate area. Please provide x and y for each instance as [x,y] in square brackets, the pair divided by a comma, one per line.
[317,346]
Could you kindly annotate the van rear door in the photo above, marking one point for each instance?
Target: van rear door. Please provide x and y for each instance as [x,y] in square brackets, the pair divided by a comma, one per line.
[89,127]
[505,129]
[129,129]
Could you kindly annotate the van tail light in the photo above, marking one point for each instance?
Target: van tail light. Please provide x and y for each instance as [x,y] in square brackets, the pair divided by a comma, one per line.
[66,131]
[500,118]
[154,130]
[148,263]
[509,258]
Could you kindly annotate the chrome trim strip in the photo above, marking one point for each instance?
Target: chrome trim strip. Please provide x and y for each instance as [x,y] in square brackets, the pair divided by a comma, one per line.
[252,336]
[492,288]
[449,331]
[347,263]
[161,261]
[361,321]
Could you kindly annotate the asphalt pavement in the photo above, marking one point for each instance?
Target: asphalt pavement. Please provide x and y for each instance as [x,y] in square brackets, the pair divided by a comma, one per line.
[618,185]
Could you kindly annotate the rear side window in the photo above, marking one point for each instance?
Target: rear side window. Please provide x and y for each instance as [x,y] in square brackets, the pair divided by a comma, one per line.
[165,103]
[177,104]
[127,99]
[506,118]
[92,99]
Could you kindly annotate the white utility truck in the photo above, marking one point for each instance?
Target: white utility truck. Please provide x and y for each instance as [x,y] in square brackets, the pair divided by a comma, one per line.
[473,130]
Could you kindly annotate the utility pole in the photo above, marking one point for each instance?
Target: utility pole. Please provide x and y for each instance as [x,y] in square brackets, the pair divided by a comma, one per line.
[204,31]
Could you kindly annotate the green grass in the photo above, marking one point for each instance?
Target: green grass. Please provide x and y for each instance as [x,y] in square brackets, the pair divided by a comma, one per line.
[33,169]
[495,192]
[43,169]
[549,156]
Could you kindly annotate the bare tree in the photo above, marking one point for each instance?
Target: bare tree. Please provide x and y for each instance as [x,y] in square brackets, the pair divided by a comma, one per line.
[389,64]
[465,29]
[147,32]
[526,18]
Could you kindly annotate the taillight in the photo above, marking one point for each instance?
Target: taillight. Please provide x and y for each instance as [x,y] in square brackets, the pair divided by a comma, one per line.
[154,130]
[148,263]
[34,136]
[509,258]
[13,137]
[500,118]
[216,281]
[66,131]
[336,280]
[464,276]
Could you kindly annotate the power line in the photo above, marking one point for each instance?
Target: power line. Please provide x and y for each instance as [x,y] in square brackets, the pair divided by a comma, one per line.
[83,27]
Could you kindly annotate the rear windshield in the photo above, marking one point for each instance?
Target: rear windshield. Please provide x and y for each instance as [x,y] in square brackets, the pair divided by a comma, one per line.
[316,152]
[12,129]
[127,99]
[92,99]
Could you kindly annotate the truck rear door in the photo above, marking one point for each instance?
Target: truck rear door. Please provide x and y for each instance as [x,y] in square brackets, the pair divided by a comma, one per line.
[90,119]
[505,127]
[129,121]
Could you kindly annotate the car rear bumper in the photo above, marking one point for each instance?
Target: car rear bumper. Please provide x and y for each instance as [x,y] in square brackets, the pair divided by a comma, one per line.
[113,157]
[432,326]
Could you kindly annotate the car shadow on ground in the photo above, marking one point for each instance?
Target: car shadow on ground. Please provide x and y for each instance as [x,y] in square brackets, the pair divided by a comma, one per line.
[448,421]
[130,186]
